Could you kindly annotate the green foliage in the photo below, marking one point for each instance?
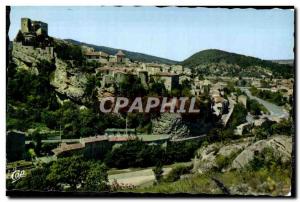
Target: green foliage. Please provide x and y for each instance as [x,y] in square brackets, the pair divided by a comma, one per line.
[222,58]
[274,97]
[182,90]
[67,51]
[225,161]
[28,96]
[134,154]
[130,87]
[131,55]
[158,171]
[66,174]
[31,153]
[269,128]
[96,179]
[285,127]
[269,179]
[36,179]
[71,170]
[176,172]
[181,151]
[90,85]
[268,159]
[255,108]
[139,154]
[158,89]
[238,116]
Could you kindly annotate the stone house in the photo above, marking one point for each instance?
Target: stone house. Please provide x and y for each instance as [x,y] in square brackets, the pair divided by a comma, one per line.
[98,56]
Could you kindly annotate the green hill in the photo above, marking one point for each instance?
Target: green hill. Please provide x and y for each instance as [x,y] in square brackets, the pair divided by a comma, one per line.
[131,55]
[219,57]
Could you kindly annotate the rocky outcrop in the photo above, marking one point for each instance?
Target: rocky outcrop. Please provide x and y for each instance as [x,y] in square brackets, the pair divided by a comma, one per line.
[27,58]
[205,159]
[68,81]
[170,124]
[281,144]
[244,150]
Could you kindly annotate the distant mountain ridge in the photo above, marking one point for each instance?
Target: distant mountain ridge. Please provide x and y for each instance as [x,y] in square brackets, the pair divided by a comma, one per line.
[286,61]
[131,55]
[215,56]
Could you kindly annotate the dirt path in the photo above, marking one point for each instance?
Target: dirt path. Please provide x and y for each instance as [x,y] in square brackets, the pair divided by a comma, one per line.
[136,178]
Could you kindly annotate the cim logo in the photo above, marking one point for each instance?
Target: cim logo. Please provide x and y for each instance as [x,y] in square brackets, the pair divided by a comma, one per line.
[17,174]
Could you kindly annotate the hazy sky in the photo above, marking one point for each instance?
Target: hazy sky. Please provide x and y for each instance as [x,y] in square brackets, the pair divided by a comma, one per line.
[173,33]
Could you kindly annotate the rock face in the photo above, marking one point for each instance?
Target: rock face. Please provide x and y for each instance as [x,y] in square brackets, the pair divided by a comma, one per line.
[205,159]
[245,150]
[281,144]
[29,58]
[68,81]
[170,124]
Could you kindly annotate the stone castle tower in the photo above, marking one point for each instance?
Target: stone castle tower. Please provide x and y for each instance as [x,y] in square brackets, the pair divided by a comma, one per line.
[37,27]
[33,33]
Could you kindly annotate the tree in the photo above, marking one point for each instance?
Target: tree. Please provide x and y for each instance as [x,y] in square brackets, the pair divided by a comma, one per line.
[97,178]
[158,171]
[71,171]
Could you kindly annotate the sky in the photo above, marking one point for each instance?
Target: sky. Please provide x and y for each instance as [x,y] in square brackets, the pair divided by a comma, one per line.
[171,32]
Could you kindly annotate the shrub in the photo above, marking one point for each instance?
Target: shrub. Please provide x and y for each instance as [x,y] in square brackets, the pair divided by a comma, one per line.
[176,172]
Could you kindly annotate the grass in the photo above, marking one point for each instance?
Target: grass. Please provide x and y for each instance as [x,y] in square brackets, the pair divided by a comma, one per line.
[262,182]
[194,185]
[17,164]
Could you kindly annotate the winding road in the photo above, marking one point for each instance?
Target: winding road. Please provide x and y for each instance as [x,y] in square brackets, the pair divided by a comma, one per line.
[274,110]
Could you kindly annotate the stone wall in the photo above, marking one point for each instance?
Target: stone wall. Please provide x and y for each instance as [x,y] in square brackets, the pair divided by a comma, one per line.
[37,53]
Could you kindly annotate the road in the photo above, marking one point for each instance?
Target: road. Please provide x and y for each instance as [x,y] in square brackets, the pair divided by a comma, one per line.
[136,178]
[272,108]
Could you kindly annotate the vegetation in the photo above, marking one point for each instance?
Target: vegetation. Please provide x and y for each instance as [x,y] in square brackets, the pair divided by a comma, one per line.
[158,171]
[130,87]
[139,154]
[69,174]
[176,172]
[238,116]
[255,108]
[238,62]
[131,55]
[274,97]
[68,51]
[225,161]
[267,174]
[270,128]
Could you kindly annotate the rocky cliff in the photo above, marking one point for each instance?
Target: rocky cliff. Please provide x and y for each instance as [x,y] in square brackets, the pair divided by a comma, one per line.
[170,124]
[239,153]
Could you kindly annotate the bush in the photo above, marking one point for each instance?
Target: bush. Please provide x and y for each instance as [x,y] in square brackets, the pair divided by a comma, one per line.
[176,172]
[224,161]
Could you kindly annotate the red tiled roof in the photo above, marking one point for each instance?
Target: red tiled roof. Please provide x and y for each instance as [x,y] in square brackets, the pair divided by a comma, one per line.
[121,139]
[97,138]
[67,147]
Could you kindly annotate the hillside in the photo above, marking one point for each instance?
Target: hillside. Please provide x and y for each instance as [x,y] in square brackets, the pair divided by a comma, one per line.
[131,55]
[287,62]
[237,64]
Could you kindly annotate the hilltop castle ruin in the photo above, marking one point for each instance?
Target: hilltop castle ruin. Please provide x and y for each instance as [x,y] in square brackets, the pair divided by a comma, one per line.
[33,38]
[33,33]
